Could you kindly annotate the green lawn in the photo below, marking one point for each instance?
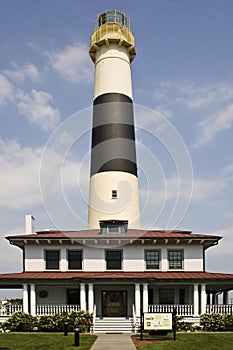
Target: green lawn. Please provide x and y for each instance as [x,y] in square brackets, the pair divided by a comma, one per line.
[194,341]
[40,341]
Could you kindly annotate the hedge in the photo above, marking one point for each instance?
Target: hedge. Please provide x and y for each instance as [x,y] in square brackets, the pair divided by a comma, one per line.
[21,321]
[217,322]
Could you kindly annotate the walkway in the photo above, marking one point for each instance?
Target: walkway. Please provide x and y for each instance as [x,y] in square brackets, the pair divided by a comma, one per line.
[113,342]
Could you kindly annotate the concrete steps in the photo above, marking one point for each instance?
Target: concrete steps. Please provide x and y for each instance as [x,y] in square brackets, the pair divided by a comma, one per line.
[113,325]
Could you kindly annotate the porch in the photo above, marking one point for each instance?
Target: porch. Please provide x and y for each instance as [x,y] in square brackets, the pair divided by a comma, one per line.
[181,310]
[125,300]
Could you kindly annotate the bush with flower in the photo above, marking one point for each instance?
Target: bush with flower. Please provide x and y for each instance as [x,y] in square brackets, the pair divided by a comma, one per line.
[21,321]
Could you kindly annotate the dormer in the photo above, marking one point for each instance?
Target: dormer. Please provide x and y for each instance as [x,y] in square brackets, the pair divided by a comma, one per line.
[113,226]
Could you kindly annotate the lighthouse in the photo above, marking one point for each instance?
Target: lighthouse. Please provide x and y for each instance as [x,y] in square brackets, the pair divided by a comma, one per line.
[113,196]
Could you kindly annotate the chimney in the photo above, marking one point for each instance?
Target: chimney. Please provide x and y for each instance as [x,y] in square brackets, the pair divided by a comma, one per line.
[29,224]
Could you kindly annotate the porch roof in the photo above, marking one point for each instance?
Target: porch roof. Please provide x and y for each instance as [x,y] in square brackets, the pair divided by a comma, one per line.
[194,276]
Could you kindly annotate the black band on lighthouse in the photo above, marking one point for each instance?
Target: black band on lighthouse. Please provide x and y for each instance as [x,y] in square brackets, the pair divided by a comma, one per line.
[113,136]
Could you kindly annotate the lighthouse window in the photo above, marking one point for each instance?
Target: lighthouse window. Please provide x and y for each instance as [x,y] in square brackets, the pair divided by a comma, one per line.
[112,17]
[114,194]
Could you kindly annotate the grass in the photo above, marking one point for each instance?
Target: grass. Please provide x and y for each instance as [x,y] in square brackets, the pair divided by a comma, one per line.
[194,341]
[42,341]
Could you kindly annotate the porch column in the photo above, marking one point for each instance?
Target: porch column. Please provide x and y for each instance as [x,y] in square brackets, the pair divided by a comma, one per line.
[203,298]
[214,298]
[137,299]
[195,300]
[226,297]
[33,299]
[145,297]
[82,296]
[90,297]
[25,298]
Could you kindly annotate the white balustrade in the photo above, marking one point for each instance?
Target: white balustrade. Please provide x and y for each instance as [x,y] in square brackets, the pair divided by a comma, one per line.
[181,309]
[224,309]
[7,310]
[55,309]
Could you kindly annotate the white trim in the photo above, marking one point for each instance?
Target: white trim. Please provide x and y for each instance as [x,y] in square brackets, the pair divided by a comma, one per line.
[25,298]
[195,300]
[33,299]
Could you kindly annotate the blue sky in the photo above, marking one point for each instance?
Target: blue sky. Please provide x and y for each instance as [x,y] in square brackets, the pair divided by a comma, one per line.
[183,71]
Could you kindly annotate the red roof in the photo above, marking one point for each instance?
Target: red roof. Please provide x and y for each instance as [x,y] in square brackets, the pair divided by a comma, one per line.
[153,234]
[182,275]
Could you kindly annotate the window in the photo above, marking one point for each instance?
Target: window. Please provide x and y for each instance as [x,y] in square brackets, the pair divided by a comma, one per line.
[74,259]
[113,259]
[73,296]
[112,16]
[113,226]
[152,258]
[114,194]
[166,296]
[150,296]
[175,259]
[182,296]
[52,259]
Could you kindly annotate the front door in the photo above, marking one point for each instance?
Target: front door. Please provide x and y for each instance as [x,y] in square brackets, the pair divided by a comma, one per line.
[114,303]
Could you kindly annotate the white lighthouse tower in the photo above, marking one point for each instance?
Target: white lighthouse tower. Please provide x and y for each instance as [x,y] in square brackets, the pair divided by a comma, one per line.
[114,183]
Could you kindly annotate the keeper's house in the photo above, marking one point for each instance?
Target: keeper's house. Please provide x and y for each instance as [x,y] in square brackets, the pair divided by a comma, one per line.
[114,271]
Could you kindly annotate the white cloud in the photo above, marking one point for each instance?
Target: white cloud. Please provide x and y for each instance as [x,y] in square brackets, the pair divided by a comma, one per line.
[210,127]
[214,101]
[73,64]
[37,107]
[225,245]
[172,187]
[19,175]
[192,96]
[18,75]
[207,188]
[6,90]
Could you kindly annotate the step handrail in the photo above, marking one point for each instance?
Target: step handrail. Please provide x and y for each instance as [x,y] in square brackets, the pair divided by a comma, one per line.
[134,319]
[94,317]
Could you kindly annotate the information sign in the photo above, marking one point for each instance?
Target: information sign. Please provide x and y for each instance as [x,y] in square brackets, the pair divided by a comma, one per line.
[158,321]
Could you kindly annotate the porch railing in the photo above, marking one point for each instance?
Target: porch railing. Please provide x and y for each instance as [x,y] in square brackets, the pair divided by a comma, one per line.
[223,309]
[181,310]
[134,318]
[42,310]
[7,310]
[93,321]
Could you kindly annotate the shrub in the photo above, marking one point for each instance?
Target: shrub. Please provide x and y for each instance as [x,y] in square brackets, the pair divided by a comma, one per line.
[182,325]
[228,323]
[214,322]
[20,321]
